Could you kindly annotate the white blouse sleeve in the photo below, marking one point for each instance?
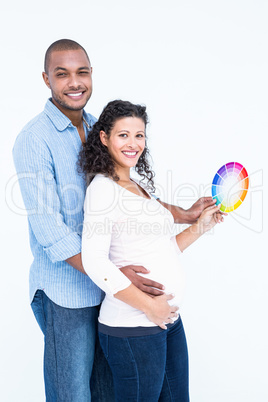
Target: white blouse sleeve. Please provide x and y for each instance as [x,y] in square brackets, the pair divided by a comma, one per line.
[100,211]
[175,244]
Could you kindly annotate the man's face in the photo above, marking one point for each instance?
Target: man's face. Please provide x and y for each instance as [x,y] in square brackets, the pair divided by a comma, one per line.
[69,78]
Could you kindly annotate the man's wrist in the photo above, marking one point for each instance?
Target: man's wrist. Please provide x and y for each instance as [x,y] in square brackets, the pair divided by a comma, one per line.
[183,216]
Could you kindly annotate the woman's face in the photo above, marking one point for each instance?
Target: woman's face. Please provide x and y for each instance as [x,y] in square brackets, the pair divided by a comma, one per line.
[126,142]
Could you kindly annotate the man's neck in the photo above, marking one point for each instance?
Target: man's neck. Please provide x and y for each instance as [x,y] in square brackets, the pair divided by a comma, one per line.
[76,116]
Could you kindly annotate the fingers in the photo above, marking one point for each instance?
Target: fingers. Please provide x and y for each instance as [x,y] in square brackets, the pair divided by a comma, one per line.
[214,208]
[170,296]
[151,291]
[137,268]
[173,315]
[219,218]
[223,213]
[148,286]
[152,284]
[209,211]
[207,200]
[170,320]
[211,203]
[170,314]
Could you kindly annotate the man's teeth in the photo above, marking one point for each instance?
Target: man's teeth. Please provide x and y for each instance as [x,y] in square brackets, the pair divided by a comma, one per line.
[74,95]
[129,153]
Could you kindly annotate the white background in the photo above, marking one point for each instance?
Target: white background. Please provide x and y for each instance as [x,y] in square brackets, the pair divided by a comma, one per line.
[201,69]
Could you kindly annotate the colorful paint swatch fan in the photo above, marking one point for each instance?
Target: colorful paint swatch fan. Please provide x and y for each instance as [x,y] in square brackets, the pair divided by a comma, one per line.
[230,186]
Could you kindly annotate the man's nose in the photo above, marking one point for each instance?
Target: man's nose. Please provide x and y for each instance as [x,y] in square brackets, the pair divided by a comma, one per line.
[74,81]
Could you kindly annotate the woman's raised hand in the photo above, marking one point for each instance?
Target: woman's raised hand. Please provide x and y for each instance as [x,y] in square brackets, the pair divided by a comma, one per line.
[209,218]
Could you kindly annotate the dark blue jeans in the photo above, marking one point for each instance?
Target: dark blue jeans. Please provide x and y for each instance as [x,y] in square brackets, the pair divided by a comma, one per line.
[149,368]
[71,374]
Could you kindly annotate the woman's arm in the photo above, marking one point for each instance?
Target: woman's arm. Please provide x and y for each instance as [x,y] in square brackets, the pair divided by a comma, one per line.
[208,219]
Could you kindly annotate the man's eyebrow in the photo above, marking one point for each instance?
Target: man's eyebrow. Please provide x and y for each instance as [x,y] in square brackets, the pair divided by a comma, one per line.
[60,68]
[84,68]
[65,69]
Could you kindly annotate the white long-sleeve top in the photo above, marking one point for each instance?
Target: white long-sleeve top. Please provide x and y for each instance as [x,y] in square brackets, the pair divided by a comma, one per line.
[122,228]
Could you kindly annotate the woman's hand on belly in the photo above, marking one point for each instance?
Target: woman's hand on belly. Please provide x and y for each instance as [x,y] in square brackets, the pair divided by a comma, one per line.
[160,312]
[157,309]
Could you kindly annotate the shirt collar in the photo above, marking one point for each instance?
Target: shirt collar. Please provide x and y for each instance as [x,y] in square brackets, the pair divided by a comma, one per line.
[89,122]
[60,121]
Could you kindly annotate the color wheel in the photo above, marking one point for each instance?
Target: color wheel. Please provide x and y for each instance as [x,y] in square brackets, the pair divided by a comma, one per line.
[230,186]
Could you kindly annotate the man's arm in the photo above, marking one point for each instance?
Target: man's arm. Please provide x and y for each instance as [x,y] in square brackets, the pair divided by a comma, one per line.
[76,262]
[35,170]
[190,215]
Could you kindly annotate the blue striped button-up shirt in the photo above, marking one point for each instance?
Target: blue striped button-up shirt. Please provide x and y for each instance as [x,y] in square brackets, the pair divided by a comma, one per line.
[45,155]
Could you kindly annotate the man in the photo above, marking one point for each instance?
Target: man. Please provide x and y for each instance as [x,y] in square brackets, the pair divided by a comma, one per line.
[63,298]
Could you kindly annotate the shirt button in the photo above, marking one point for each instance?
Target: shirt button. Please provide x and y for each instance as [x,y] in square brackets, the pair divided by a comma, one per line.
[105,279]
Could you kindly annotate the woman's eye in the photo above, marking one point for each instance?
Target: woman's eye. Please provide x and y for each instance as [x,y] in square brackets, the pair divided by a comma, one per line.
[140,135]
[123,135]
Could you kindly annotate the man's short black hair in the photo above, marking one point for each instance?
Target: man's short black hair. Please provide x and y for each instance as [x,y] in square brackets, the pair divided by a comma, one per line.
[60,45]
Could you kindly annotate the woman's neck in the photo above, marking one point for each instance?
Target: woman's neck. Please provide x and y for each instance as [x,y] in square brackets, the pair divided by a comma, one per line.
[123,174]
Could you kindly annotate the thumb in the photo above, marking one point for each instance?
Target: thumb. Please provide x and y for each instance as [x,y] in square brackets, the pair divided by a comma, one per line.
[213,208]
[170,296]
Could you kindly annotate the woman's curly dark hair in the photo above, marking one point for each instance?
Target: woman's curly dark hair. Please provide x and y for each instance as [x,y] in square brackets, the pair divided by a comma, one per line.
[94,156]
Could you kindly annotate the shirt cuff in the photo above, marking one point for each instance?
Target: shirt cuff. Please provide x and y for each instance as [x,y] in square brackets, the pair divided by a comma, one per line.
[174,241]
[112,289]
[64,248]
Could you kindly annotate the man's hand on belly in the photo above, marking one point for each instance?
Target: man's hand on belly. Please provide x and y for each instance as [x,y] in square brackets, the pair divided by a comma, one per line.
[148,286]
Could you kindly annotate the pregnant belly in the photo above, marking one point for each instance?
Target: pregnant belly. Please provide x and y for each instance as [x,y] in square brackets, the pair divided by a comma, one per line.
[169,272]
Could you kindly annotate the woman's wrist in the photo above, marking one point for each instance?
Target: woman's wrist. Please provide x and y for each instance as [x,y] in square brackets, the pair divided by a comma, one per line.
[197,228]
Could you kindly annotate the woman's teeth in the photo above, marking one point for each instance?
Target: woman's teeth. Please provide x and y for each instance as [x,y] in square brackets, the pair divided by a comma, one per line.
[129,153]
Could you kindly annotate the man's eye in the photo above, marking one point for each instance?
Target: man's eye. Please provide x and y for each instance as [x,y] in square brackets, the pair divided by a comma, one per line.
[83,72]
[60,74]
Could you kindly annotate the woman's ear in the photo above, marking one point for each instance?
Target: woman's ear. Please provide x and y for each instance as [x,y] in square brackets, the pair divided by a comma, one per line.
[103,137]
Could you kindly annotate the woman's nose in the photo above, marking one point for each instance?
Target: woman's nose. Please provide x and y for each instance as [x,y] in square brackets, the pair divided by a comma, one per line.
[131,142]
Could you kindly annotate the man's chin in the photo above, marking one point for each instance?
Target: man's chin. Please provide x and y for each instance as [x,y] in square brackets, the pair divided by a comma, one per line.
[69,106]
[75,108]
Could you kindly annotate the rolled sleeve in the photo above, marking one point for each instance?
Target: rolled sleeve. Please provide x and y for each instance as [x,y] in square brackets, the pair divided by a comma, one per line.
[64,248]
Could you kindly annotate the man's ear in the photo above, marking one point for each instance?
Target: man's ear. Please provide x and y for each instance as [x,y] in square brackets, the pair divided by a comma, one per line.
[45,78]
[103,137]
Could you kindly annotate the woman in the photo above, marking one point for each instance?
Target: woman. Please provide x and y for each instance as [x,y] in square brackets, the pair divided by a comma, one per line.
[125,225]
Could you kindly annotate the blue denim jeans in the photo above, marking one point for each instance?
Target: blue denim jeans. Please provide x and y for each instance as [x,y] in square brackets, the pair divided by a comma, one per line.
[71,342]
[149,368]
